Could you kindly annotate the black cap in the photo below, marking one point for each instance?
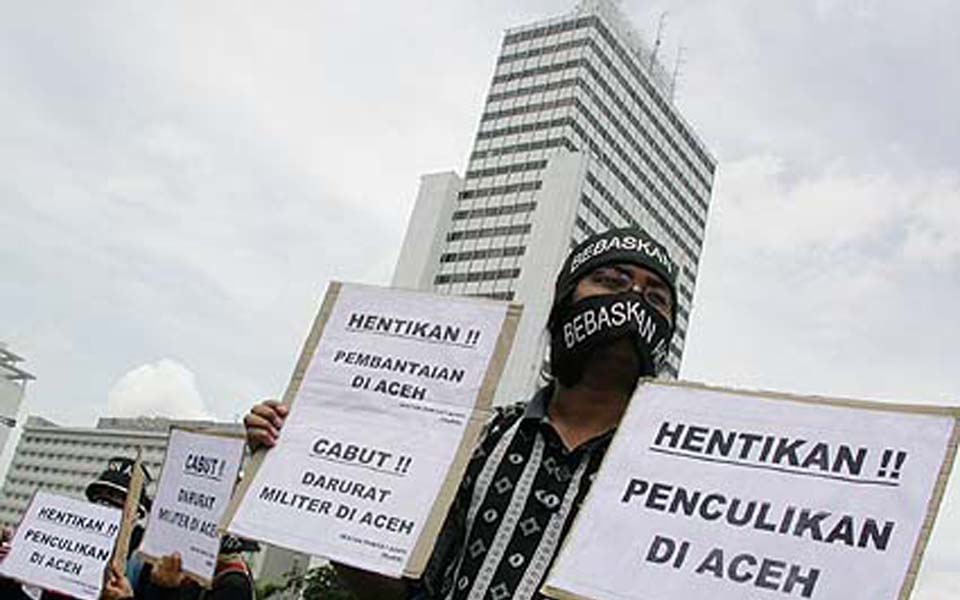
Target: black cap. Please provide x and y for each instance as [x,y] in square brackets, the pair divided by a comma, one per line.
[626,245]
[232,544]
[116,479]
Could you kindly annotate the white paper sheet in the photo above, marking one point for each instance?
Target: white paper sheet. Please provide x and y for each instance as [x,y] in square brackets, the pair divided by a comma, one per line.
[199,473]
[722,495]
[374,428]
[63,544]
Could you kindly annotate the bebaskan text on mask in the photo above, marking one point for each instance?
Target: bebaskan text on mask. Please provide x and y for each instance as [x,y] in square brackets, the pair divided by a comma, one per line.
[591,321]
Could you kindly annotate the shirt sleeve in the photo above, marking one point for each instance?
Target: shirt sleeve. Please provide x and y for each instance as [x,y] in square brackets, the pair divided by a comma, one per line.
[231,586]
[152,591]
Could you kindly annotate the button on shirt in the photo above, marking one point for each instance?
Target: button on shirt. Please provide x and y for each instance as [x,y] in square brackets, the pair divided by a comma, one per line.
[516,502]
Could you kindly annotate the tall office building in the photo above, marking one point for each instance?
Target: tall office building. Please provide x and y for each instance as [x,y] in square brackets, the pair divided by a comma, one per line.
[579,134]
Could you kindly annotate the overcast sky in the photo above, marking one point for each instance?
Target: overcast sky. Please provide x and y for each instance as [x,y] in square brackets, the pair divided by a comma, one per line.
[180,181]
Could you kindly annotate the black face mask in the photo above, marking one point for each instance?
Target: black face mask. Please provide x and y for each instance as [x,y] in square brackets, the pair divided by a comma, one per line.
[582,327]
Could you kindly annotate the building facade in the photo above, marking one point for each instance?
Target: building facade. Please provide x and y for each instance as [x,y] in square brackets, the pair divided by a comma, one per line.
[578,135]
[63,460]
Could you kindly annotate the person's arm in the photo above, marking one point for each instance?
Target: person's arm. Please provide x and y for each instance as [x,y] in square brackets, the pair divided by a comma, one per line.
[152,591]
[230,586]
[116,586]
[6,538]
[364,585]
[162,580]
[370,586]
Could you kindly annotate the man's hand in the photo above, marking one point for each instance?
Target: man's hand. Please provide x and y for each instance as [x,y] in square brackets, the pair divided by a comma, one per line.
[263,423]
[116,586]
[6,538]
[167,572]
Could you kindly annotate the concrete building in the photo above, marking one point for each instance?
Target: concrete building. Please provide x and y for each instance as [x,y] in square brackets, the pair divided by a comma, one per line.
[579,134]
[63,460]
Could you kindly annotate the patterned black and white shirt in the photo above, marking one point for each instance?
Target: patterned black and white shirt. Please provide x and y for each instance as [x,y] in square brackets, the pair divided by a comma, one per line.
[518,498]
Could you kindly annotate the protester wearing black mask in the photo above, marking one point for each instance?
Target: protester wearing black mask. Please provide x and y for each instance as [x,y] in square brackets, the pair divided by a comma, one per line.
[612,321]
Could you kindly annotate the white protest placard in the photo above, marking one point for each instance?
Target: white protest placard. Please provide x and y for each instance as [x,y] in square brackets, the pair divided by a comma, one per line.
[199,473]
[391,391]
[725,495]
[63,544]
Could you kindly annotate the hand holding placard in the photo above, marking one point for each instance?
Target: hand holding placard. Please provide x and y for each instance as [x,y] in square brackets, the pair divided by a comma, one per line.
[263,423]
[116,586]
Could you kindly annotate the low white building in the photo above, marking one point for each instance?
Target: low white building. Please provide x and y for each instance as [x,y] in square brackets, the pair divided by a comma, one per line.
[63,460]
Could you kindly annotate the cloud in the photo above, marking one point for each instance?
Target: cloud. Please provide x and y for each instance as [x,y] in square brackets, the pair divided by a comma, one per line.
[197,192]
[834,210]
[164,388]
[837,282]
[933,234]
[872,81]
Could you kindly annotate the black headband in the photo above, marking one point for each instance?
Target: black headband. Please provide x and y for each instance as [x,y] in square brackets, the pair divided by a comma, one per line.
[628,245]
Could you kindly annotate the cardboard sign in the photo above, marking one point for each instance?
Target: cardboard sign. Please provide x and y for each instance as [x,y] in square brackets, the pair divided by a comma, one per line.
[199,473]
[63,544]
[726,495]
[388,398]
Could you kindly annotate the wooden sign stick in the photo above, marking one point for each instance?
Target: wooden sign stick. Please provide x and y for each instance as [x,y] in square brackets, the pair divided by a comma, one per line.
[122,547]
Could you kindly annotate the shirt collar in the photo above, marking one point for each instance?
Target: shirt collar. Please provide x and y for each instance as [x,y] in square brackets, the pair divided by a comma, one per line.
[536,413]
[536,409]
